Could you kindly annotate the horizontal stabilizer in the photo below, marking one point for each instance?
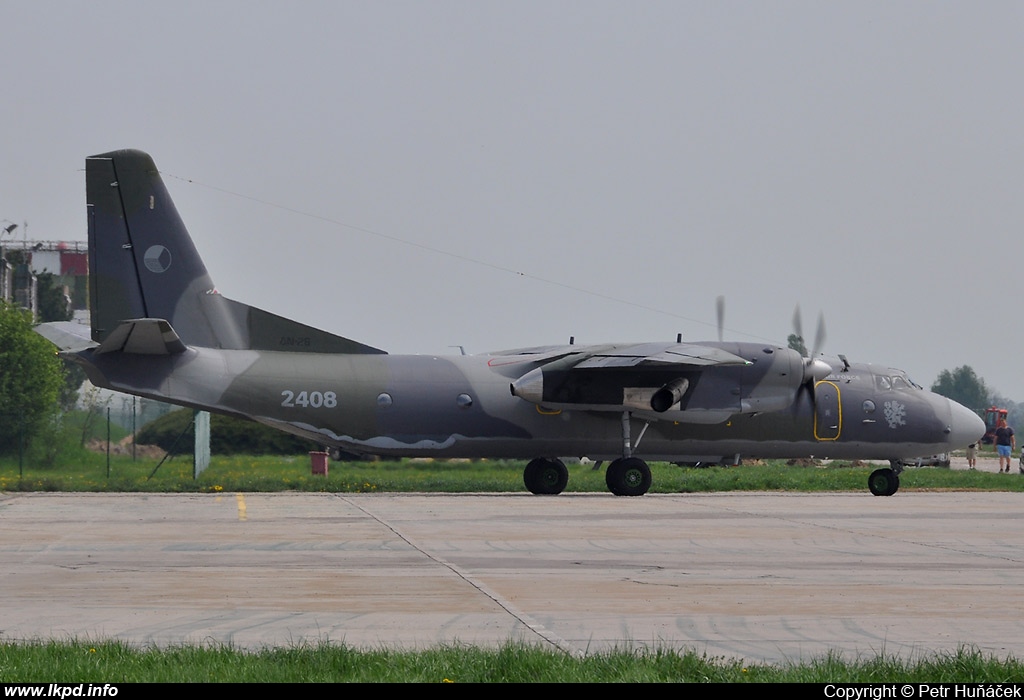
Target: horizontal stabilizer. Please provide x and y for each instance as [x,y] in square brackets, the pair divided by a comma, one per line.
[66,335]
[143,336]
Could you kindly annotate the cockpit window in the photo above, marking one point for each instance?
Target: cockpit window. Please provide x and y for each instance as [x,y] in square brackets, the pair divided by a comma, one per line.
[897,381]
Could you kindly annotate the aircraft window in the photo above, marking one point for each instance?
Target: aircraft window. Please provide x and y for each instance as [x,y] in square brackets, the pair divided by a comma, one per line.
[883,382]
[384,400]
[869,406]
[899,383]
[464,400]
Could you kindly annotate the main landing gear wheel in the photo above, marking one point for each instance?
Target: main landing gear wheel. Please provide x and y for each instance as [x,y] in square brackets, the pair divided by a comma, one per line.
[883,482]
[628,476]
[545,477]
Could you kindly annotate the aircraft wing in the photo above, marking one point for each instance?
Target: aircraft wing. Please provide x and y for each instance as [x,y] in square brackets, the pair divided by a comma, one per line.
[598,356]
[660,354]
[535,356]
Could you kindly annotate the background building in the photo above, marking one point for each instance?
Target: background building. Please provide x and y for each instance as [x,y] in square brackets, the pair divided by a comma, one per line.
[68,261]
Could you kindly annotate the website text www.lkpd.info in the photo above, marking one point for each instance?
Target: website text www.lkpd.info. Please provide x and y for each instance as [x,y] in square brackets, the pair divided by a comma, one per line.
[60,690]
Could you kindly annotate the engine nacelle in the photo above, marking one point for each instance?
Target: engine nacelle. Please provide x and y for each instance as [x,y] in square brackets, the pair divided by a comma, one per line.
[770,379]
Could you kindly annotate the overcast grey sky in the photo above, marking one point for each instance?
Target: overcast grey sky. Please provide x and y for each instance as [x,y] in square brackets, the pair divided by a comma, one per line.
[596,169]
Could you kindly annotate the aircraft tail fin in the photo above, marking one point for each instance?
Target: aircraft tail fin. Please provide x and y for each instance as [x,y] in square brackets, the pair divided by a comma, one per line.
[144,268]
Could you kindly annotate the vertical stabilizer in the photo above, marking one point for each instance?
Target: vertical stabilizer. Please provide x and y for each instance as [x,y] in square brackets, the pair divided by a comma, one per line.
[142,261]
[144,266]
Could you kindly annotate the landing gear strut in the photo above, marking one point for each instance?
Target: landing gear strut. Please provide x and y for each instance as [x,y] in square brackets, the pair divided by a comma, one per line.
[628,475]
[885,482]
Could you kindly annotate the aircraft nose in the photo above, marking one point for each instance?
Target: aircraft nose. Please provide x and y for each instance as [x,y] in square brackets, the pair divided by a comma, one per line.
[965,427]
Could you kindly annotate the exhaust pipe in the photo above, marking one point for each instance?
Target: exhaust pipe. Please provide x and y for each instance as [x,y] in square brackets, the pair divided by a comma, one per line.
[669,395]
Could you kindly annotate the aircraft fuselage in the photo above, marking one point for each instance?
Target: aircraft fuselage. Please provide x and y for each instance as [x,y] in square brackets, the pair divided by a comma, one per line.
[462,406]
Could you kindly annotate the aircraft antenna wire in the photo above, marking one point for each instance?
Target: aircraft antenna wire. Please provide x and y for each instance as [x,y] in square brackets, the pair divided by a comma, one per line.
[465,258]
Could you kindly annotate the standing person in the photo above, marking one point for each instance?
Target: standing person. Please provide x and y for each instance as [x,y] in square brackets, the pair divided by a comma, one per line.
[1005,442]
[972,455]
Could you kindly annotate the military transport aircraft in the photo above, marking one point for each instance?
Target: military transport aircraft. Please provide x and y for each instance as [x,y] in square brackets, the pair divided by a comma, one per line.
[161,330]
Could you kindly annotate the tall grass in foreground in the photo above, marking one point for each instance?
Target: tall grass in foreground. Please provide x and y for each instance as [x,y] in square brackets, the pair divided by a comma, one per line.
[115,662]
[88,472]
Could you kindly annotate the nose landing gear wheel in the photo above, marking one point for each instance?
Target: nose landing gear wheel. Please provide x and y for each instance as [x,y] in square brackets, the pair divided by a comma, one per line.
[883,482]
[628,476]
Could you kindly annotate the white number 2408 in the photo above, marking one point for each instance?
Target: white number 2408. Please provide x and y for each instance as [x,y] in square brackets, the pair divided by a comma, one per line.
[309,399]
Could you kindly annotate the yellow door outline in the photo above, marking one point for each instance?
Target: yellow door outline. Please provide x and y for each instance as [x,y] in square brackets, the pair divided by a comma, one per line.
[823,401]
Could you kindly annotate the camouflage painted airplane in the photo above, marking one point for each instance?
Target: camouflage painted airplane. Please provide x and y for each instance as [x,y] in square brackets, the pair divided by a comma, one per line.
[161,330]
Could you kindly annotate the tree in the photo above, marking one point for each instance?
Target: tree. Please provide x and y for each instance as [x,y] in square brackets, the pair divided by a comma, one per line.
[31,378]
[963,386]
[796,342]
[53,303]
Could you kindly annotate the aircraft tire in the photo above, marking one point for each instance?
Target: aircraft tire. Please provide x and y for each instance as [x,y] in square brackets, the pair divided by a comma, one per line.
[883,482]
[628,476]
[545,477]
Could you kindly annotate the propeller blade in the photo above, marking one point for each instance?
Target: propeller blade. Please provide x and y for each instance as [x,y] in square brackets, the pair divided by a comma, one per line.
[798,328]
[720,309]
[815,369]
[819,335]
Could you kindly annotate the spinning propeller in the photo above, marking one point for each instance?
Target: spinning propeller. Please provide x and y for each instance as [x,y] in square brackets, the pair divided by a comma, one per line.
[815,369]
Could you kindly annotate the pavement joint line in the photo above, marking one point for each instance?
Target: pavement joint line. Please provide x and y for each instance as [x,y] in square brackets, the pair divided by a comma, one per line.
[506,605]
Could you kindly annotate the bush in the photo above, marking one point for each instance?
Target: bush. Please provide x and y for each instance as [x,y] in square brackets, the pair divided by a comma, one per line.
[227,436]
[31,377]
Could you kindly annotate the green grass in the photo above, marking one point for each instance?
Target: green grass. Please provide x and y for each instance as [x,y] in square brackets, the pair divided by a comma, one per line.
[55,461]
[115,662]
[87,471]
